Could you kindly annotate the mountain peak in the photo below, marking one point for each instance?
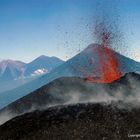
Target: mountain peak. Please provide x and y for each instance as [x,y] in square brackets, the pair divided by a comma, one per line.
[43,56]
[96,47]
[44,63]
[92,46]
[11,63]
[7,61]
[48,57]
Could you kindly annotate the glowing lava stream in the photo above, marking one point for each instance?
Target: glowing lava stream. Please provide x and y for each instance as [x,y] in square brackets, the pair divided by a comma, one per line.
[108,66]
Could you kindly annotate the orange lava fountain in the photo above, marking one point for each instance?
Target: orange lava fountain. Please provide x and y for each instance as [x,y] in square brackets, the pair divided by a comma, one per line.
[108,63]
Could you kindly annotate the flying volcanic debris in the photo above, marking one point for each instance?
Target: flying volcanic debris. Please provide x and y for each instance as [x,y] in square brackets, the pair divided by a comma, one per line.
[106,33]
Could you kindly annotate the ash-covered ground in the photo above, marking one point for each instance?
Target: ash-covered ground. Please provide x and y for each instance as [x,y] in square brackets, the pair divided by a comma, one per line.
[99,121]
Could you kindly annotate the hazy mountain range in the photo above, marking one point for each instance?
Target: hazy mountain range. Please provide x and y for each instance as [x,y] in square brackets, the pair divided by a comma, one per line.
[11,70]
[16,73]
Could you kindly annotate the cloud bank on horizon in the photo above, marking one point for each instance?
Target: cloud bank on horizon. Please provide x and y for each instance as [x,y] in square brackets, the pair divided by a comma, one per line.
[30,28]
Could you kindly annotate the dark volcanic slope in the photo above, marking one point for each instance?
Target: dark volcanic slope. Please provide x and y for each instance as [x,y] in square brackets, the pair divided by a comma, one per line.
[59,91]
[74,90]
[77,122]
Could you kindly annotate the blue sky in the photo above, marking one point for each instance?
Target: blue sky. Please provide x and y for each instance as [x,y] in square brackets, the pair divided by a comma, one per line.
[29,28]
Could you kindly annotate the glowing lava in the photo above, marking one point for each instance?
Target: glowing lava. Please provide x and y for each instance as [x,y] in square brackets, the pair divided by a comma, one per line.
[108,63]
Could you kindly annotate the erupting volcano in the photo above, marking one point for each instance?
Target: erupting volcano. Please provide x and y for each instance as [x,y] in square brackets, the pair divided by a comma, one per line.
[108,64]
